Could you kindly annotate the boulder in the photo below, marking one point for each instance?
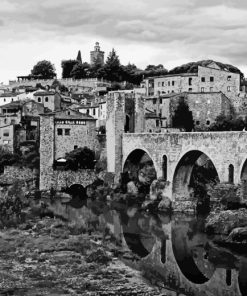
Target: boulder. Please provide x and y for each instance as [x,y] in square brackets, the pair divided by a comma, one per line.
[238,235]
[225,221]
[131,188]
[165,204]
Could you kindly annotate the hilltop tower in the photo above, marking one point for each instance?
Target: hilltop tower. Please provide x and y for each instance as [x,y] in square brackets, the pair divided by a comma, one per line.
[97,55]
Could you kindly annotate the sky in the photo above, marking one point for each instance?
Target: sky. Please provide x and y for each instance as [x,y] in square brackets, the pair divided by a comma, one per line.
[143,32]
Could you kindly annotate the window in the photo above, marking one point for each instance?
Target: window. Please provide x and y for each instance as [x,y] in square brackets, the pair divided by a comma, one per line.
[75,147]
[46,99]
[59,132]
[197,122]
[68,112]
[229,78]
[231,174]
[160,101]
[190,81]
[6,133]
[190,89]
[4,100]
[88,111]
[12,99]
[157,123]
[164,167]
[211,79]
[173,82]
[39,99]
[12,121]
[228,88]
[5,142]
[211,89]
[154,101]
[93,111]
[172,91]
[203,79]
[169,83]
[5,120]
[208,122]
[202,89]
[150,130]
[158,83]
[163,83]
[67,132]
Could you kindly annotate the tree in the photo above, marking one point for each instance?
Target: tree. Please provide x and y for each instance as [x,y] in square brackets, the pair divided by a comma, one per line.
[182,117]
[80,158]
[228,123]
[97,70]
[79,70]
[79,57]
[44,69]
[112,68]
[67,67]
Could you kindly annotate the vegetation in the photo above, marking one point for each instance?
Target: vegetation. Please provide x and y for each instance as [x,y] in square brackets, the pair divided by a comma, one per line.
[192,67]
[182,117]
[229,123]
[80,158]
[44,69]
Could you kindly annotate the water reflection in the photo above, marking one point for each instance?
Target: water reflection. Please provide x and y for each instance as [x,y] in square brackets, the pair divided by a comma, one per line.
[170,250]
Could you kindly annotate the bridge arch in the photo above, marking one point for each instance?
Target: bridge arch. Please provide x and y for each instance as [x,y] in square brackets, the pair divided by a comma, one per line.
[77,190]
[181,177]
[135,159]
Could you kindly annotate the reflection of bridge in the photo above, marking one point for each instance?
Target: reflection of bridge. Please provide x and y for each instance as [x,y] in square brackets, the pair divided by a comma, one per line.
[174,154]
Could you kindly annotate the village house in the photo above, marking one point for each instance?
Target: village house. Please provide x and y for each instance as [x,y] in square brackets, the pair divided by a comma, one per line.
[7,137]
[211,78]
[50,99]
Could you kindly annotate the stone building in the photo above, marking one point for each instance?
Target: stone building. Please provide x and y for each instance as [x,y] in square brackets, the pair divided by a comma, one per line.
[211,78]
[7,137]
[205,107]
[50,100]
[97,55]
[62,132]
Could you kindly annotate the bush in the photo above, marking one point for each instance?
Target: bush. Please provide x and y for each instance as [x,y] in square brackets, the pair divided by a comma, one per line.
[83,158]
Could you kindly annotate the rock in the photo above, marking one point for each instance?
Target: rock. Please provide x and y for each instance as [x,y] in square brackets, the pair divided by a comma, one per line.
[147,174]
[150,205]
[131,188]
[98,256]
[225,221]
[165,204]
[157,189]
[238,235]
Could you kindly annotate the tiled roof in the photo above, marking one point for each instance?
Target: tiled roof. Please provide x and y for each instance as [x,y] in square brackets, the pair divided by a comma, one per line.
[44,93]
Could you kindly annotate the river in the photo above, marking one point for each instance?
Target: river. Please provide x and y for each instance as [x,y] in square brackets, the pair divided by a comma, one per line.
[170,251]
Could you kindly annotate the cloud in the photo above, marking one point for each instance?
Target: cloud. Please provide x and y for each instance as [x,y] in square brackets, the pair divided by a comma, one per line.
[190,28]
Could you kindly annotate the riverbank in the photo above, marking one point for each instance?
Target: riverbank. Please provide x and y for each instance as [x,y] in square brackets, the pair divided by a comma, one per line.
[54,257]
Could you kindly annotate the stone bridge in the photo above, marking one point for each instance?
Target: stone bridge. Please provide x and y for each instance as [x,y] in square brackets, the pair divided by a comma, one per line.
[179,151]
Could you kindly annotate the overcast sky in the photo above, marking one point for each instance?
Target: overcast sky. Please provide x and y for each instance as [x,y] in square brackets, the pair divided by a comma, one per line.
[170,32]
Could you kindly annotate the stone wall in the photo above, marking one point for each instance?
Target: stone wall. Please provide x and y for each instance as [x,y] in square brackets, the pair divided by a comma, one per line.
[13,173]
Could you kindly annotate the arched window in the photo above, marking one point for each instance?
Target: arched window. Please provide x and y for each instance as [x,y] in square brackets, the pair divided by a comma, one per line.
[164,167]
[231,174]
[127,124]
[39,99]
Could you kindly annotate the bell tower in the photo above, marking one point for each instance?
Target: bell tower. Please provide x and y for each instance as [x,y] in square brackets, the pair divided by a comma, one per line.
[97,55]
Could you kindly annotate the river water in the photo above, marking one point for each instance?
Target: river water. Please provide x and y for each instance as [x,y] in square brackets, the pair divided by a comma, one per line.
[171,251]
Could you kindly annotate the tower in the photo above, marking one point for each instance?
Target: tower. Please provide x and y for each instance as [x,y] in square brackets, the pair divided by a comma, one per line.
[97,55]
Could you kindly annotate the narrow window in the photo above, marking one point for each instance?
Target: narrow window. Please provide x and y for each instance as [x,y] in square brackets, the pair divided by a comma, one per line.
[68,112]
[67,132]
[157,123]
[163,83]
[211,79]
[228,277]
[173,83]
[190,81]
[231,174]
[203,79]
[208,122]
[75,147]
[164,167]
[39,100]
[169,83]
[59,131]
[160,101]
[93,111]
[197,122]
[46,99]
[154,101]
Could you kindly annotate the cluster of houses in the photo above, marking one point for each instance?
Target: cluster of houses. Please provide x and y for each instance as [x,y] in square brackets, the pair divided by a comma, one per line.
[79,114]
